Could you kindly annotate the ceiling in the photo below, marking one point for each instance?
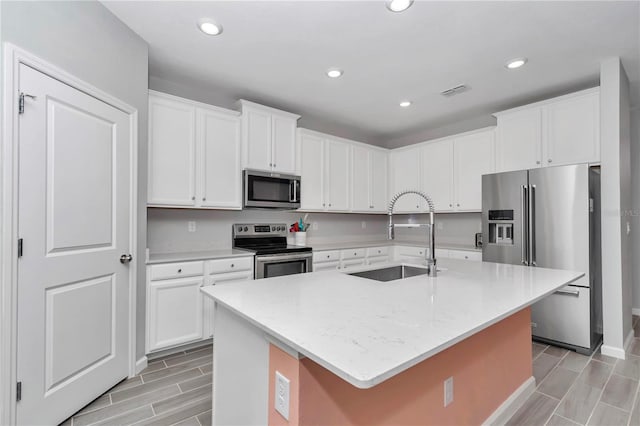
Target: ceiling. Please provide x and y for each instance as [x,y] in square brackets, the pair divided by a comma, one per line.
[277,53]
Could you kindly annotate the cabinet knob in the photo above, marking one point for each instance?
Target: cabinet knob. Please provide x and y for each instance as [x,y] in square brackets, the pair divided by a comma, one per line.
[457,205]
[204,198]
[549,160]
[329,204]
[450,205]
[270,164]
[193,198]
[322,204]
[179,271]
[274,164]
[417,207]
[538,162]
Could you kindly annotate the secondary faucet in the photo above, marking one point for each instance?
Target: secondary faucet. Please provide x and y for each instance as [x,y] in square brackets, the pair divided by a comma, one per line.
[431,257]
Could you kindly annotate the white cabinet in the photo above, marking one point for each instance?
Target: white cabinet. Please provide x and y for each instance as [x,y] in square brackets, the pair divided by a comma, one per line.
[340,259]
[465,255]
[368,179]
[558,131]
[268,138]
[194,154]
[410,254]
[473,156]
[177,311]
[437,174]
[172,144]
[404,172]
[324,169]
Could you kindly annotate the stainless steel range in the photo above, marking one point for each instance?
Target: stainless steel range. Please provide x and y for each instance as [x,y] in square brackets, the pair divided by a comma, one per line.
[273,256]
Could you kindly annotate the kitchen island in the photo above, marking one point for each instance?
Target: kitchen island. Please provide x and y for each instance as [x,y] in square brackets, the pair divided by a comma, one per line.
[360,351]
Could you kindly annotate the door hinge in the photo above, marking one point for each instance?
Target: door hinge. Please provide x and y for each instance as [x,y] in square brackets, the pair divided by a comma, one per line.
[21,101]
[20,247]
[18,391]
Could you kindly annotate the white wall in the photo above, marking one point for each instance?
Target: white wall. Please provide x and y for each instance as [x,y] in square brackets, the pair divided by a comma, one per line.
[167,228]
[89,42]
[635,197]
[616,206]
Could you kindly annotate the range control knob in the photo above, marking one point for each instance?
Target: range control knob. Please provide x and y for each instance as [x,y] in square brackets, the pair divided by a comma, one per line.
[273,228]
[239,228]
[246,229]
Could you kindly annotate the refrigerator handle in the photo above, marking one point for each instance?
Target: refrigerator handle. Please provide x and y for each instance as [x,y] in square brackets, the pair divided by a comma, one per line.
[532,225]
[524,199]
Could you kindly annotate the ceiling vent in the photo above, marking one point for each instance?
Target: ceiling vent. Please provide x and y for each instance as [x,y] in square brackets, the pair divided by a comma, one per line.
[455,90]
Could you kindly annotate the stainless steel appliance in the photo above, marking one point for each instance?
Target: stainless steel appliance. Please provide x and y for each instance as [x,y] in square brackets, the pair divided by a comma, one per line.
[550,217]
[273,256]
[271,190]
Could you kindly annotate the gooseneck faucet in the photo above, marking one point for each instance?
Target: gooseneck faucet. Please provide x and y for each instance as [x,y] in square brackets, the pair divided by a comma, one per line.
[431,257]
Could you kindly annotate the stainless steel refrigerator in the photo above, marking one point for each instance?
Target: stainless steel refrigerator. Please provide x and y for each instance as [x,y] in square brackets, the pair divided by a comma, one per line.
[550,217]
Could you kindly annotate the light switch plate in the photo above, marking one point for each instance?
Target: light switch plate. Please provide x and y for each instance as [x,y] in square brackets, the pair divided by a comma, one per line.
[282,395]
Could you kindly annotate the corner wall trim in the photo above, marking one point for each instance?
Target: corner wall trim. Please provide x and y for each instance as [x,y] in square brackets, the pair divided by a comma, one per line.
[141,364]
[509,407]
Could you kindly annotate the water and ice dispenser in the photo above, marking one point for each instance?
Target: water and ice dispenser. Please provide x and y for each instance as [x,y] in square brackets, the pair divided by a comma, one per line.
[500,227]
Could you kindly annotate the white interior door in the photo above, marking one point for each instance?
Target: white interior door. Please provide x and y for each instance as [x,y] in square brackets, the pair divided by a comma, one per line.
[73,213]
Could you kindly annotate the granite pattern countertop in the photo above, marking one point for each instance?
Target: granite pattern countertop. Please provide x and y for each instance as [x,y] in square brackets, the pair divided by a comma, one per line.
[366,331]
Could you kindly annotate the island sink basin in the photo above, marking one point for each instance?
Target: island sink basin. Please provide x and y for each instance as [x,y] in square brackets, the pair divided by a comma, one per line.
[391,273]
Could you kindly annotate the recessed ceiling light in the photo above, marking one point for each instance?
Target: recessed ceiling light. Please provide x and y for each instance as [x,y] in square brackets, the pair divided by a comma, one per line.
[334,73]
[405,104]
[398,5]
[516,63]
[209,27]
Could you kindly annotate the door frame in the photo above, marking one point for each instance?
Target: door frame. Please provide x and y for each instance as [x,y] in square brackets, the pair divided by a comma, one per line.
[13,57]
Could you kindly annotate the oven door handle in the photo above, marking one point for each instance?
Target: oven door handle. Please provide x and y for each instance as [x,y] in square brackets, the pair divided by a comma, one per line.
[283,257]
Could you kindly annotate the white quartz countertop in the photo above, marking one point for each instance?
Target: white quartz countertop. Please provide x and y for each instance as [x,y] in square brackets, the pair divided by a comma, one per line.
[366,331]
[196,255]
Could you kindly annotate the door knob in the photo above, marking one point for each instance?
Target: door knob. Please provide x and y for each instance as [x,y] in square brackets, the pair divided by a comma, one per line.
[126,258]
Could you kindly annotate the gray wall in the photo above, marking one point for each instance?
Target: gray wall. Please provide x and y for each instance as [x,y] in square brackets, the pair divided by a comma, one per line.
[635,197]
[89,42]
[168,228]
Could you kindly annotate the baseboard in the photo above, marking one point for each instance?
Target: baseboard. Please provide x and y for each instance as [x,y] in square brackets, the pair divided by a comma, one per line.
[141,364]
[512,404]
[613,351]
[635,311]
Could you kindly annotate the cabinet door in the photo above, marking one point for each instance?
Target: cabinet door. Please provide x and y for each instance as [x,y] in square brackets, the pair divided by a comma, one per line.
[283,144]
[437,174]
[572,130]
[220,174]
[311,172]
[360,179]
[174,312]
[337,175]
[519,140]
[326,266]
[209,304]
[405,174]
[473,157]
[171,153]
[379,178]
[257,139]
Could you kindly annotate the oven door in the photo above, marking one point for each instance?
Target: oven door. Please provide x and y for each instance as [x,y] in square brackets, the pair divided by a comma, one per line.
[276,265]
[271,190]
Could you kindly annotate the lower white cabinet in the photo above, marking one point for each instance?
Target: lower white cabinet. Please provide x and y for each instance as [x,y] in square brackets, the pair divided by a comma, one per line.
[177,311]
[465,255]
[326,260]
[326,266]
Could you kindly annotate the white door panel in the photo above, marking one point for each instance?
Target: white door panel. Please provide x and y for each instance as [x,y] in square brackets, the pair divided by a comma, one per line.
[405,175]
[73,214]
[337,175]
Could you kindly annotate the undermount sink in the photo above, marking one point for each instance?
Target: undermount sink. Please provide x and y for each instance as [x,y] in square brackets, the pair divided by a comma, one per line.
[391,273]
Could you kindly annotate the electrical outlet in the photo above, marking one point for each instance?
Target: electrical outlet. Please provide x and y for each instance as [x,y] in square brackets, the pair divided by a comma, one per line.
[191,226]
[448,391]
[314,226]
[282,395]
[363,224]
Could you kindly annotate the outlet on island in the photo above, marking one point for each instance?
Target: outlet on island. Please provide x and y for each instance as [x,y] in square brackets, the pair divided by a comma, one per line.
[282,395]
[448,391]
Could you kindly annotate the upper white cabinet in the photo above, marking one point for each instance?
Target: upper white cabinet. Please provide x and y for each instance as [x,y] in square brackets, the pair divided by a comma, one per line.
[558,131]
[473,156]
[324,169]
[194,154]
[404,173]
[268,138]
[368,179]
[437,174]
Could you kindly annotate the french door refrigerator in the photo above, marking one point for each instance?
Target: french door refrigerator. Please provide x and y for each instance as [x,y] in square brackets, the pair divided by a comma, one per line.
[550,218]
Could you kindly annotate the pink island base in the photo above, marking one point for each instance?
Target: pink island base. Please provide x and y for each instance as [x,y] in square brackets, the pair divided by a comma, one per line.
[486,368]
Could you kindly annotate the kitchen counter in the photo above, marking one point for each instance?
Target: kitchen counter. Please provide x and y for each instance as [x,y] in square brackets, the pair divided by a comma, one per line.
[155,258]
[366,331]
[379,243]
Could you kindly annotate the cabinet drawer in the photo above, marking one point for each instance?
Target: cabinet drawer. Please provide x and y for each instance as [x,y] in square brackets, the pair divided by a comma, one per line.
[465,255]
[353,254]
[377,251]
[353,262]
[230,265]
[411,251]
[377,260]
[326,266]
[176,270]
[326,256]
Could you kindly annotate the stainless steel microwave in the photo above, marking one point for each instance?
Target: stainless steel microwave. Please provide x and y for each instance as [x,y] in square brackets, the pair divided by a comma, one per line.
[268,190]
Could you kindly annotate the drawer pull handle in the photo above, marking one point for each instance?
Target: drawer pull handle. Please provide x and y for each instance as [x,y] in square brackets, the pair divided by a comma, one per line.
[575,293]
[179,271]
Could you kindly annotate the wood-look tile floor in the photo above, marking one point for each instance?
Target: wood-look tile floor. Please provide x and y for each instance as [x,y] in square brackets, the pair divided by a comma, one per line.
[173,390]
[573,389]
